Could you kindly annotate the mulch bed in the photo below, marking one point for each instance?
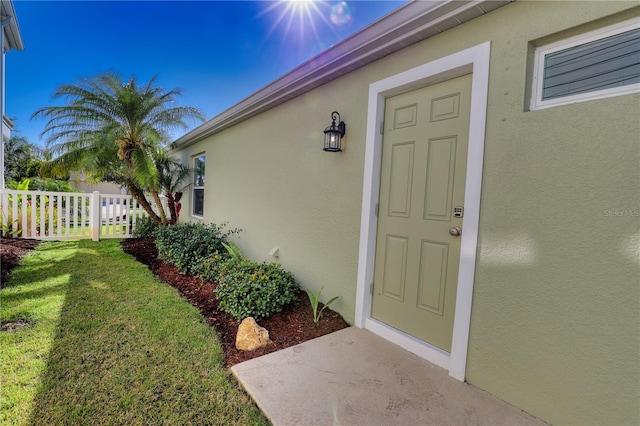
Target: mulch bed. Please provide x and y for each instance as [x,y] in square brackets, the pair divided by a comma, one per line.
[11,251]
[290,327]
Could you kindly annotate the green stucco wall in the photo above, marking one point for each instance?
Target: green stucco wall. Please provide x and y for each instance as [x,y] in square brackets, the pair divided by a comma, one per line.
[555,317]
[271,178]
[555,326]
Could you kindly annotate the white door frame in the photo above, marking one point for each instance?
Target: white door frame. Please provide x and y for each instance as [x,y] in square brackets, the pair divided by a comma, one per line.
[473,60]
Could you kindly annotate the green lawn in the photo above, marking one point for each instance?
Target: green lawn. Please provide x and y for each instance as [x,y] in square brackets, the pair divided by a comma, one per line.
[107,343]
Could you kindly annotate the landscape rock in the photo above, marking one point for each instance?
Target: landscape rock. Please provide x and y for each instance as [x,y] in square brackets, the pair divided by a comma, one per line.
[251,336]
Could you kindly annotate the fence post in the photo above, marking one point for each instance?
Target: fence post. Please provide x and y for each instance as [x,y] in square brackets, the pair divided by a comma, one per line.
[95,208]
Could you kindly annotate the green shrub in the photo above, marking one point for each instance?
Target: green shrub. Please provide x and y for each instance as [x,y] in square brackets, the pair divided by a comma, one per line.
[188,245]
[248,289]
[145,227]
[215,266]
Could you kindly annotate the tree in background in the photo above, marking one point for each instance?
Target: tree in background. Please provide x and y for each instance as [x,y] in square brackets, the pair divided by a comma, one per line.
[116,130]
[21,159]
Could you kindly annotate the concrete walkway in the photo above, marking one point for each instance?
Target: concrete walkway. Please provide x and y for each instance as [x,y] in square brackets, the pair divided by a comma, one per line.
[353,377]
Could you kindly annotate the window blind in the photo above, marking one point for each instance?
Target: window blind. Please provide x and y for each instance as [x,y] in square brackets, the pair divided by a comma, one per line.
[602,64]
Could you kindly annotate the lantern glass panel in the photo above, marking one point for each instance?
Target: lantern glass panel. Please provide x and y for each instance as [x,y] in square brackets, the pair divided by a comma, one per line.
[332,141]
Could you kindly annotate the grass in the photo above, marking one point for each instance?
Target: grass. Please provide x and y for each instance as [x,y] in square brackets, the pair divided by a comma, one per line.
[108,344]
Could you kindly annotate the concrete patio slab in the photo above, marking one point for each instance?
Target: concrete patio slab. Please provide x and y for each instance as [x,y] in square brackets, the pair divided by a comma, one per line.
[353,377]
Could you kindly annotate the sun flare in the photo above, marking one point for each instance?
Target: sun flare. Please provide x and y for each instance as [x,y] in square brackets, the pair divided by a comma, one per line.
[302,15]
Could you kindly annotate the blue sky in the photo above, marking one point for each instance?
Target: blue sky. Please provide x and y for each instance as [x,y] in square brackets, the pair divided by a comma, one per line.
[217,52]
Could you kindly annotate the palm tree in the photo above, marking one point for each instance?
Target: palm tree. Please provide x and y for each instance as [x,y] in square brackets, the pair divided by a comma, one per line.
[116,129]
[171,175]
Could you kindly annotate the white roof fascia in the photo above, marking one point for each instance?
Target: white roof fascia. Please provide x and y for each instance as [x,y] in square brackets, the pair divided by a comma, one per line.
[407,25]
[13,39]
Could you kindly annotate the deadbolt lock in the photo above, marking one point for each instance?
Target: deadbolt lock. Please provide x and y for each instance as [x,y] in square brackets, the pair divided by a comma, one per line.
[458,211]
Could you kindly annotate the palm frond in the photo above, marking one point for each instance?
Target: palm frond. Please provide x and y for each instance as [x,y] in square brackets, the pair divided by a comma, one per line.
[117,129]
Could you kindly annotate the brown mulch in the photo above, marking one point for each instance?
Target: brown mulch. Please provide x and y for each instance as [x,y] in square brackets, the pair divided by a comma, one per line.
[11,251]
[290,327]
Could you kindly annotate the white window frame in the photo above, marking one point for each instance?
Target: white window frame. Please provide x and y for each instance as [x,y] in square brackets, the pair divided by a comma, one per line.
[542,51]
[193,191]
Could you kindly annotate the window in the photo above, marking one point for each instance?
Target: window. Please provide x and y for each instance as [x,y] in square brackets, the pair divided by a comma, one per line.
[198,186]
[598,64]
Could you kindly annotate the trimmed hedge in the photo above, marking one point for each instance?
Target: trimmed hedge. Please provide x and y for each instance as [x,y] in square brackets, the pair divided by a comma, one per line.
[145,228]
[215,266]
[258,290]
[245,288]
[188,245]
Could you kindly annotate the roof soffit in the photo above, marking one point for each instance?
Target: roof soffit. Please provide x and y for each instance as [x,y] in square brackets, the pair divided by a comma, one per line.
[13,39]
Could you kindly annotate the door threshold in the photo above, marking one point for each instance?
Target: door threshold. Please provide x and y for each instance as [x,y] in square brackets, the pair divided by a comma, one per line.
[414,345]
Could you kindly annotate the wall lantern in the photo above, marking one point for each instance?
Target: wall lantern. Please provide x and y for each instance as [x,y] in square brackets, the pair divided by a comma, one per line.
[333,134]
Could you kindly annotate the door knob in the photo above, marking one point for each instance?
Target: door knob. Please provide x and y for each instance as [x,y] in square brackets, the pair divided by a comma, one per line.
[456,231]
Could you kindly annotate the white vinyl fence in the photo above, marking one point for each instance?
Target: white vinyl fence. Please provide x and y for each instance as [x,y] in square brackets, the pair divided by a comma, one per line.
[67,215]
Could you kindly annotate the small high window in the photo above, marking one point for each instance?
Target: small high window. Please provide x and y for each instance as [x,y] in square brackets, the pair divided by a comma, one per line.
[598,64]
[198,186]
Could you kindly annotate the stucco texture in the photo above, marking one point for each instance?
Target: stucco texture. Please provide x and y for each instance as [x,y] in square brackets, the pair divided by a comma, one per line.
[556,296]
[555,324]
[271,178]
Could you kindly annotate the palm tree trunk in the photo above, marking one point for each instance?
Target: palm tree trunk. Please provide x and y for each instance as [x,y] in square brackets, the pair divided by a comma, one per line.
[156,197]
[142,200]
[171,204]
